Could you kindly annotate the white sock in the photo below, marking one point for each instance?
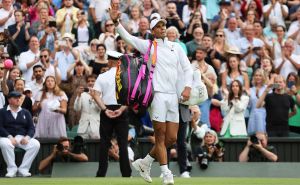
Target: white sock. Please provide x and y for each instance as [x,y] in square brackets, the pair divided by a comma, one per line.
[164,169]
[148,159]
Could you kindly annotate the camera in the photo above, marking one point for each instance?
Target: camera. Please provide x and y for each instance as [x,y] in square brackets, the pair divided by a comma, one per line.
[60,147]
[254,139]
[203,159]
[86,89]
[275,86]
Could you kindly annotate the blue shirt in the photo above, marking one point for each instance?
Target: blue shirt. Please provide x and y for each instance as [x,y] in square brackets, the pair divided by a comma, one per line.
[64,62]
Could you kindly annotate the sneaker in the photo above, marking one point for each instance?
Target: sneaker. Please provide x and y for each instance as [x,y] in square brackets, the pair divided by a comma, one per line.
[11,174]
[185,174]
[24,174]
[168,179]
[143,169]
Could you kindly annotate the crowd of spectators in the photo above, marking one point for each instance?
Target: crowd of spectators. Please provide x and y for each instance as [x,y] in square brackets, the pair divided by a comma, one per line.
[247,52]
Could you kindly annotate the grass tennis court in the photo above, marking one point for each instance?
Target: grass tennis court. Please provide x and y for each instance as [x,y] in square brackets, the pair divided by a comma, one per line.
[156,181]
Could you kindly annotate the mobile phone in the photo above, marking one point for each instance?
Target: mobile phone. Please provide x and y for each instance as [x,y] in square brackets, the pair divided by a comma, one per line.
[275,86]
[290,84]
[52,23]
[86,89]
[27,17]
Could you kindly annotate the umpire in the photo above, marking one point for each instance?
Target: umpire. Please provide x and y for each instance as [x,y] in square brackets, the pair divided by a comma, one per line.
[113,117]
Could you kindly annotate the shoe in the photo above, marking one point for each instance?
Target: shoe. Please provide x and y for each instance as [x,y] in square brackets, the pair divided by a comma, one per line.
[11,174]
[143,169]
[185,174]
[168,179]
[24,174]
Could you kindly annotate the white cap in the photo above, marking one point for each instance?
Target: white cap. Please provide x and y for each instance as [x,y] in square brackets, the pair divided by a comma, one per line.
[27,89]
[154,22]
[114,54]
[155,15]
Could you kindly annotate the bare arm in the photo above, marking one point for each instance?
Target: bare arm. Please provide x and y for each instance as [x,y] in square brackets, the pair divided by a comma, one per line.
[48,160]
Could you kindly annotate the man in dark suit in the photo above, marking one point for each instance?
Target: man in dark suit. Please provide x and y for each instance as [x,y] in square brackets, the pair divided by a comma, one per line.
[17,130]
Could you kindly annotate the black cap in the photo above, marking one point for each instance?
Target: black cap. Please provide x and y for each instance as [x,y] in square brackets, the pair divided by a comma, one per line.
[14,94]
[225,2]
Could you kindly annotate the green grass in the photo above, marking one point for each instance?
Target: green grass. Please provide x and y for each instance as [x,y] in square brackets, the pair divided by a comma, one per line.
[156,181]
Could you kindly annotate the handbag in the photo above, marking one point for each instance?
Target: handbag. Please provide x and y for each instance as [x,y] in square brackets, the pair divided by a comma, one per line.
[198,92]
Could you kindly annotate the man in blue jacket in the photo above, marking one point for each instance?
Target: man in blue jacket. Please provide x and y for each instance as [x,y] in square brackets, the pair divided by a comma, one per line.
[17,130]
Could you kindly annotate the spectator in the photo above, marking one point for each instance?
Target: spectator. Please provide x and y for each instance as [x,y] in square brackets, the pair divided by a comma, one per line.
[62,152]
[278,43]
[7,15]
[225,10]
[51,103]
[149,7]
[276,9]
[173,18]
[173,35]
[257,119]
[253,5]
[30,58]
[195,21]
[212,8]
[2,99]
[48,35]
[10,78]
[218,53]
[82,31]
[20,32]
[233,106]
[258,150]
[135,16]
[90,53]
[89,123]
[36,85]
[294,28]
[33,12]
[50,69]
[293,89]
[66,17]
[210,149]
[232,32]
[196,42]
[100,60]
[190,10]
[143,31]
[289,62]
[17,130]
[77,74]
[270,31]
[277,118]
[97,14]
[108,37]
[268,68]
[42,21]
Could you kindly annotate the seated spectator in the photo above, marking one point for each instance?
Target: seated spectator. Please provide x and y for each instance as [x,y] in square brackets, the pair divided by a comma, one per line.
[258,150]
[11,77]
[217,54]
[51,103]
[17,130]
[232,32]
[89,122]
[173,35]
[233,106]
[279,107]
[90,52]
[63,152]
[196,42]
[210,150]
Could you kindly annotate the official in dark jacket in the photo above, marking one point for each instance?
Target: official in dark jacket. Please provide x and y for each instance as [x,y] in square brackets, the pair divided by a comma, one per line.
[17,130]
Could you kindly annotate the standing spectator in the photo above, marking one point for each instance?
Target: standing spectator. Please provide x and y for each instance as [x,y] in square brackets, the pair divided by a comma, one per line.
[20,32]
[217,55]
[90,52]
[17,130]
[33,12]
[149,7]
[232,32]
[293,89]
[77,74]
[36,85]
[97,14]
[7,16]
[212,8]
[253,5]
[143,31]
[196,42]
[278,43]
[82,31]
[173,18]
[196,20]
[294,29]
[30,58]
[191,8]
[289,62]
[48,35]
[100,60]
[89,123]
[50,69]
[108,37]
[257,119]
[52,105]
[2,99]
[234,105]
[225,10]
[277,9]
[277,118]
[135,16]
[113,118]
[66,17]
[42,21]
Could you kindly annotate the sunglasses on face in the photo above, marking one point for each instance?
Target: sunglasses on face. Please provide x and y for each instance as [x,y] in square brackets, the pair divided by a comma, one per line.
[108,25]
[44,56]
[218,35]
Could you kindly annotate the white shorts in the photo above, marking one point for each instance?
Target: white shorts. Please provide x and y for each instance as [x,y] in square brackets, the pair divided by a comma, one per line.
[164,107]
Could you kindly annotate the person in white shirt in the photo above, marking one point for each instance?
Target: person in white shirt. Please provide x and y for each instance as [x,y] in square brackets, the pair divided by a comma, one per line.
[289,62]
[170,57]
[2,99]
[89,122]
[36,85]
[30,58]
[51,70]
[232,32]
[7,17]
[276,9]
[97,13]
[114,117]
